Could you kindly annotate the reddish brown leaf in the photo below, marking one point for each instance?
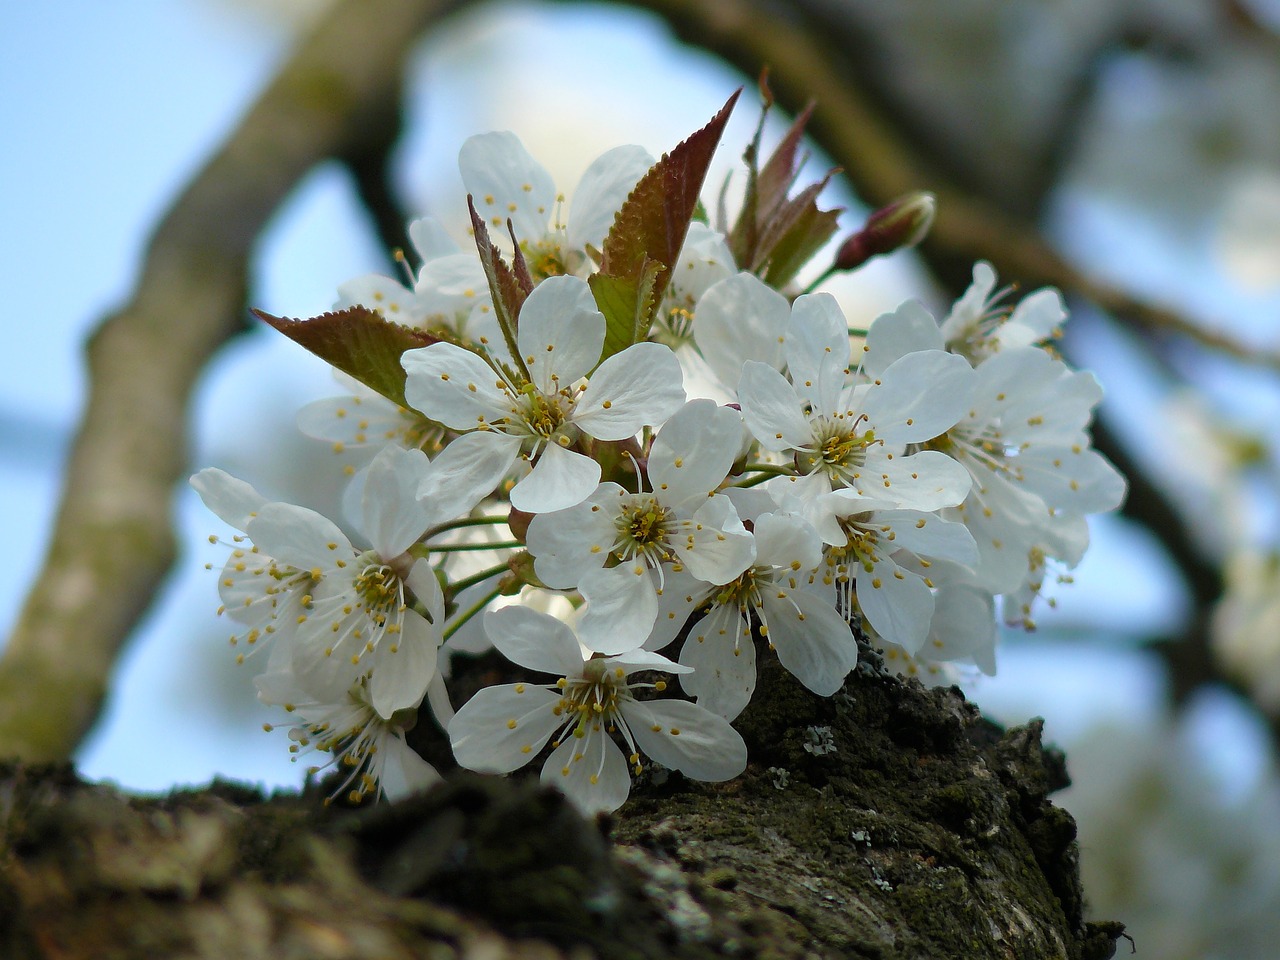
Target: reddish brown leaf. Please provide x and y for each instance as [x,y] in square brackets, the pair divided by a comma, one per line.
[359,342]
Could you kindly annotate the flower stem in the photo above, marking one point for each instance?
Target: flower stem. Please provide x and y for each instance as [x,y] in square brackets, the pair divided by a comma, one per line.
[763,472]
[471,581]
[460,547]
[462,524]
[470,612]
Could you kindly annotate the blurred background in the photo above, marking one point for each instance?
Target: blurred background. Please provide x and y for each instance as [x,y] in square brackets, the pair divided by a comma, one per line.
[1142,142]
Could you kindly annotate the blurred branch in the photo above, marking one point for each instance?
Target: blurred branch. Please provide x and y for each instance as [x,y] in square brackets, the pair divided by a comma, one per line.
[882,165]
[113,541]
[876,154]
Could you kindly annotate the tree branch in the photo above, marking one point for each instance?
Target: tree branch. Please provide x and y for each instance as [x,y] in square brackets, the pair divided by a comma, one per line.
[113,542]
[882,165]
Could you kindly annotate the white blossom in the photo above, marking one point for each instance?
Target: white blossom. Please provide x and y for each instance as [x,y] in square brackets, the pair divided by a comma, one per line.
[850,436]
[811,639]
[617,547]
[371,749]
[561,336]
[506,183]
[502,728]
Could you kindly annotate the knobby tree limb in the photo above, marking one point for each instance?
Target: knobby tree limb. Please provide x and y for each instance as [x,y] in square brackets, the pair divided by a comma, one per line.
[113,540]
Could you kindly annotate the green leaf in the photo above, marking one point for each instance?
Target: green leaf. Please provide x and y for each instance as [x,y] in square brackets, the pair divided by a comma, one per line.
[359,342]
[630,304]
[646,236]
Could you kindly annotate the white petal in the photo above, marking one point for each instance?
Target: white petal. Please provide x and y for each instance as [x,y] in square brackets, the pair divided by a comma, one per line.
[425,586]
[1037,317]
[634,660]
[505,182]
[356,421]
[641,385]
[465,472]
[811,639]
[908,329]
[686,737]
[535,640]
[483,736]
[430,239]
[1076,479]
[928,535]
[968,310]
[560,478]
[896,603]
[393,517]
[622,605]
[601,192]
[233,501]
[680,596]
[403,665]
[928,480]
[818,350]
[561,333]
[567,543]
[299,537]
[714,544]
[773,412]
[453,386]
[694,450]
[739,319]
[591,771]
[723,657]
[919,397]
[401,771]
[787,541]
[388,297]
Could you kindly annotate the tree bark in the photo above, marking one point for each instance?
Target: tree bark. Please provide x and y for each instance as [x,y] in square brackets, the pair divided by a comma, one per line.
[926,832]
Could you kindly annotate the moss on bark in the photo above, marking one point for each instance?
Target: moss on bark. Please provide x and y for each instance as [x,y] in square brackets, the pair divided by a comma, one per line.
[888,821]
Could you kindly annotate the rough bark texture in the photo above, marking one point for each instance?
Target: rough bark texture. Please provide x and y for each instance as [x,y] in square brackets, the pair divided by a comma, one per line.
[927,832]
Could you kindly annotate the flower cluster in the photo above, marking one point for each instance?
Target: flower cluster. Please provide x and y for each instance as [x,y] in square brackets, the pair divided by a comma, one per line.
[707,464]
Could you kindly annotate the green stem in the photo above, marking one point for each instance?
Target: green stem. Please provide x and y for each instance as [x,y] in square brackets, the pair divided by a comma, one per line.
[470,612]
[462,524]
[763,471]
[461,547]
[471,581]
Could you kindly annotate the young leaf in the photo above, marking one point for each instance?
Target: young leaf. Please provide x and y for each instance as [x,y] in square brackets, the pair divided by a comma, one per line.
[359,342]
[774,235]
[505,287]
[642,245]
[797,232]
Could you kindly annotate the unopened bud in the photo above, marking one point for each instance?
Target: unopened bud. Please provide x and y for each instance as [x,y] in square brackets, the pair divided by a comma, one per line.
[900,225]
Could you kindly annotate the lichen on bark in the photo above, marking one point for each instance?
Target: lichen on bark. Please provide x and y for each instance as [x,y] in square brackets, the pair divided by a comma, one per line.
[888,821]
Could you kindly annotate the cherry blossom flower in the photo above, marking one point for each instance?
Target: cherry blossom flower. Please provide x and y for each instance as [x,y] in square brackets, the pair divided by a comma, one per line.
[502,728]
[506,183]
[351,611]
[854,437]
[560,337]
[1023,440]
[265,597]
[979,326]
[812,640]
[370,748]
[615,547]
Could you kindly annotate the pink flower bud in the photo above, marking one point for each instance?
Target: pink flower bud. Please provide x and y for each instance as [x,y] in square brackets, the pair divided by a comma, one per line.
[900,225]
